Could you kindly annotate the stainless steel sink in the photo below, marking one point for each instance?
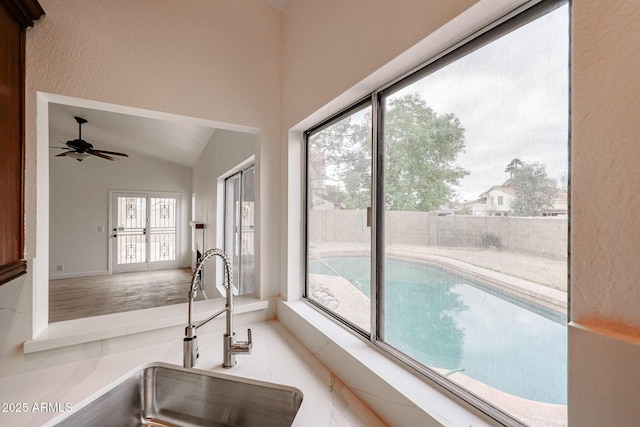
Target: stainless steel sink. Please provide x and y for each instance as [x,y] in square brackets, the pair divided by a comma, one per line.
[169,395]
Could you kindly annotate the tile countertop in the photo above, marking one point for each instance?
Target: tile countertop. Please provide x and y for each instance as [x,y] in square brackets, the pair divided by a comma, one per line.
[276,357]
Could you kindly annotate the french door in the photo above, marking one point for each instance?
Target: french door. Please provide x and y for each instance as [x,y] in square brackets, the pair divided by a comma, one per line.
[144,232]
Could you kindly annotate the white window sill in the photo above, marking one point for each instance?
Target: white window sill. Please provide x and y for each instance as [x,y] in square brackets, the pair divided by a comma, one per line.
[79,331]
[395,392]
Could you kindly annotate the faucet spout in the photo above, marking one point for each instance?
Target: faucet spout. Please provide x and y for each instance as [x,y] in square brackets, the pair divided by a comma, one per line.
[231,346]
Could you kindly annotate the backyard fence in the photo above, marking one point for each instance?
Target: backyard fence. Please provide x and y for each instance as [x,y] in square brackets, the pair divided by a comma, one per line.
[544,236]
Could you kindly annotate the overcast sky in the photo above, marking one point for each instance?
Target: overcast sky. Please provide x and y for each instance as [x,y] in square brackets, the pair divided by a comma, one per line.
[511,97]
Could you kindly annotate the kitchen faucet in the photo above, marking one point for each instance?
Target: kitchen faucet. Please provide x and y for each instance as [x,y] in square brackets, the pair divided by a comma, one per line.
[231,346]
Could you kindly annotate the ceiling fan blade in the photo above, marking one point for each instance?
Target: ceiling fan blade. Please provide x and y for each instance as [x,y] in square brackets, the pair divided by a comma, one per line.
[114,153]
[98,154]
[62,148]
[63,154]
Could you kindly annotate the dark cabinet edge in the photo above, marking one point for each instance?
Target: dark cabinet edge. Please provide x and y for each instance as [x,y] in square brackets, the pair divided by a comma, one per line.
[25,12]
[12,270]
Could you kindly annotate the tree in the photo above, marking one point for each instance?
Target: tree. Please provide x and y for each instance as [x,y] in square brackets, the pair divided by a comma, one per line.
[535,192]
[421,148]
[339,165]
[513,165]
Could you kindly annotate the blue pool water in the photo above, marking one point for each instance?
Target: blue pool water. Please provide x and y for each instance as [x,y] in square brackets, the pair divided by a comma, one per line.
[447,321]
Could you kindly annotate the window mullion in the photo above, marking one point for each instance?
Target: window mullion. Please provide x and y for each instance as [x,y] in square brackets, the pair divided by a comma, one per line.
[374,218]
[377,238]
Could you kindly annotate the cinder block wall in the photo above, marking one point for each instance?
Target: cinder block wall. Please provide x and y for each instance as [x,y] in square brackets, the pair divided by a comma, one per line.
[536,236]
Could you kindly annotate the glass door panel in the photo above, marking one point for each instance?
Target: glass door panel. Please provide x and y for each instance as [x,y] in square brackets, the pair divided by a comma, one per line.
[162,229]
[232,224]
[130,232]
[239,228]
[247,233]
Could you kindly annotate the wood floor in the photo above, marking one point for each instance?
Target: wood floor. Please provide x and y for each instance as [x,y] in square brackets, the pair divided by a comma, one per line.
[80,297]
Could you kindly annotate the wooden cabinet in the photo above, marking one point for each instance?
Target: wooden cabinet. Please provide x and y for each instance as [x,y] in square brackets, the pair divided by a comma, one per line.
[15,17]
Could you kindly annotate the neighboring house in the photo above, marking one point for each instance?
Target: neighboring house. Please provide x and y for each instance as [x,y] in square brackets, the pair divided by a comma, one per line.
[320,203]
[496,201]
[560,205]
[446,210]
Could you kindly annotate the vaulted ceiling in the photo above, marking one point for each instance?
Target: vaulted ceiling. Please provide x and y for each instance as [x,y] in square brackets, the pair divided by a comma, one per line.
[167,140]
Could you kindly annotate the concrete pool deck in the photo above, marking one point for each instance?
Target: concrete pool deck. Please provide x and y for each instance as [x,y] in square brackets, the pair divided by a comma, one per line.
[491,268]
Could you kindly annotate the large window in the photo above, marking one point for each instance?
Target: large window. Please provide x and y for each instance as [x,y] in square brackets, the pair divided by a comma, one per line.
[437,218]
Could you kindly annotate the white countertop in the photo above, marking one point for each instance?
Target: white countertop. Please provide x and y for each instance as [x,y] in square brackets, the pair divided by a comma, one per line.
[277,357]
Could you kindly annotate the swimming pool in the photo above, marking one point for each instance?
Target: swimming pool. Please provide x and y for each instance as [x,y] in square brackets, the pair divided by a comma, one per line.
[450,322]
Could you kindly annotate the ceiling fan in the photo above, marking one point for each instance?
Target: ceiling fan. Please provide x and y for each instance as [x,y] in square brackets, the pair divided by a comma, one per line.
[80,149]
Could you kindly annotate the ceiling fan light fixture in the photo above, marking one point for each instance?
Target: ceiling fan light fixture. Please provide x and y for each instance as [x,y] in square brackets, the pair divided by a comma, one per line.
[78,156]
[79,149]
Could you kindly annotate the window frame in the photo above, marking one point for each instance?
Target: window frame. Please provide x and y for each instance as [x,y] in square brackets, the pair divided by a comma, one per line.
[335,118]
[513,20]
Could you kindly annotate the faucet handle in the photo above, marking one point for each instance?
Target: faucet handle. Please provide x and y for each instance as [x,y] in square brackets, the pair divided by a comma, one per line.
[249,341]
[243,346]
[246,346]
[233,348]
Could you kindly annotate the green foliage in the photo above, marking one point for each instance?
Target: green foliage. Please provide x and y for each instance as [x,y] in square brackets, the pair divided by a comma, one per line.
[535,192]
[340,163]
[420,150]
[513,165]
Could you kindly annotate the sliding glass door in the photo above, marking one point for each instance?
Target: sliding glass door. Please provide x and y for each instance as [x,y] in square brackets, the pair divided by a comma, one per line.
[239,233]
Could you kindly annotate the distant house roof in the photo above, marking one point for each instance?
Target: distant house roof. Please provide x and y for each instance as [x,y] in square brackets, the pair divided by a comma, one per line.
[322,203]
[508,190]
[561,196]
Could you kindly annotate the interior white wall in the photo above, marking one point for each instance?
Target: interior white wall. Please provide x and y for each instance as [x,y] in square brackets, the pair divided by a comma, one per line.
[605,174]
[223,153]
[604,338]
[79,207]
